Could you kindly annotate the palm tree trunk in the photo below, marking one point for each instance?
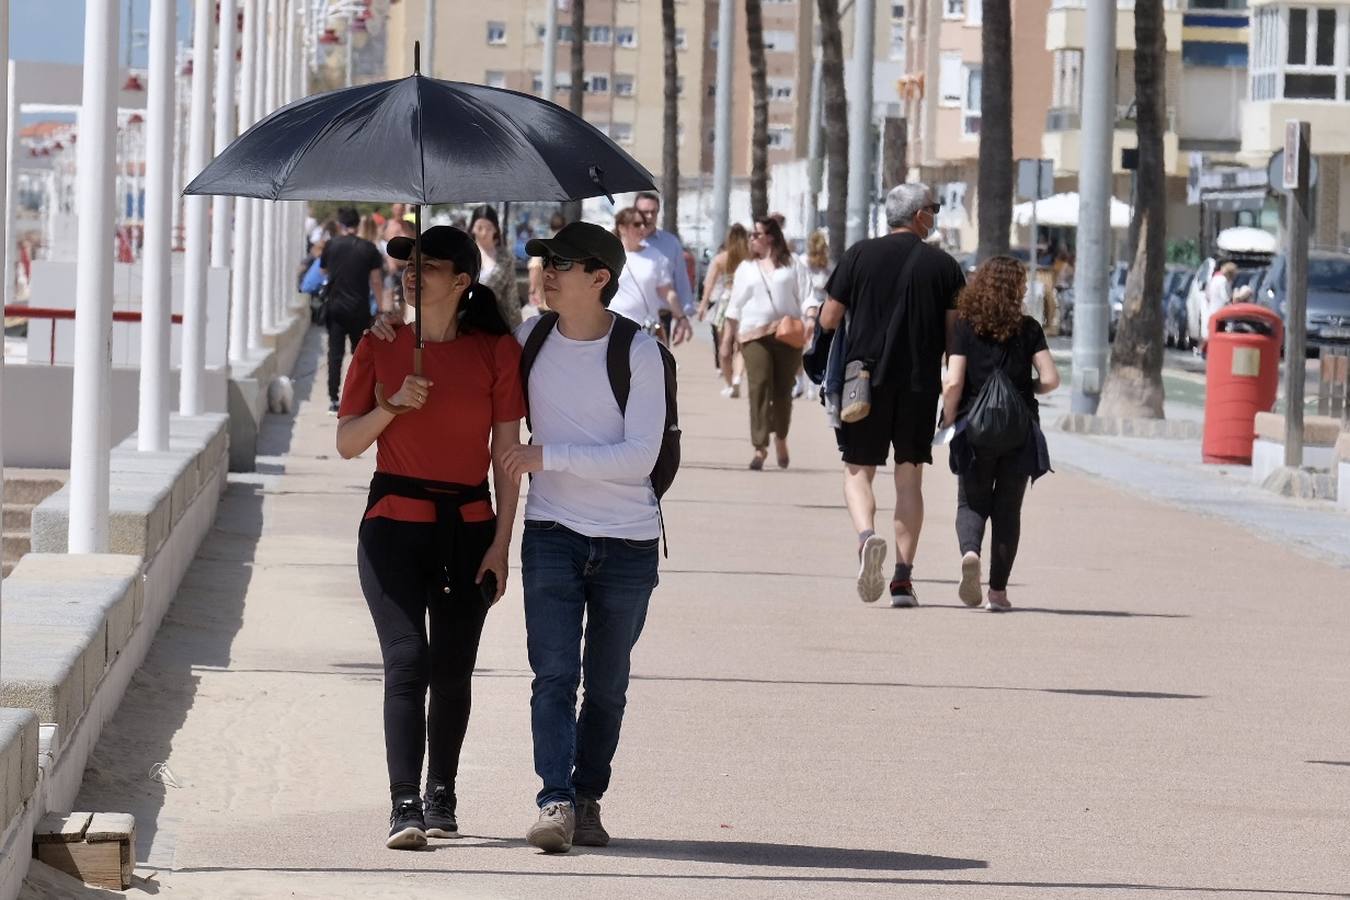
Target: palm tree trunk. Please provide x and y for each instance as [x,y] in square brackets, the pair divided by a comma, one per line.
[836,123]
[670,156]
[759,83]
[576,98]
[995,184]
[1134,387]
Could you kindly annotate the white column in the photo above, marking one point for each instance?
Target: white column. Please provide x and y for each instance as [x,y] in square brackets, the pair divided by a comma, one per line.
[255,253]
[220,206]
[6,232]
[243,213]
[269,223]
[11,144]
[152,425]
[197,237]
[90,415]
[286,95]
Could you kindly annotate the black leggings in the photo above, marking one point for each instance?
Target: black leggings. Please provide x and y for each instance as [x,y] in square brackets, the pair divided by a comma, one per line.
[404,587]
[343,330]
[992,489]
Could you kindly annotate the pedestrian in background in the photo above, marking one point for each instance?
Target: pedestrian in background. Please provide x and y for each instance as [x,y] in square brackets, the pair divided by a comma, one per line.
[355,271]
[1218,294]
[900,296]
[768,294]
[648,205]
[716,297]
[646,286]
[991,335]
[818,271]
[498,267]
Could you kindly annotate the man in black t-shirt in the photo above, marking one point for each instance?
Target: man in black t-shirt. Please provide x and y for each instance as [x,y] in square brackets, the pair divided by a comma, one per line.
[355,270]
[900,297]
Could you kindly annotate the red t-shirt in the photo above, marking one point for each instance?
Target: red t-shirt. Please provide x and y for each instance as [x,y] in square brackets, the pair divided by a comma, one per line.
[475,382]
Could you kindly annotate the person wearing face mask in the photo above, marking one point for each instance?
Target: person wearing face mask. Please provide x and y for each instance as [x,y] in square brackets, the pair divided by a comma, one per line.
[899,294]
[431,552]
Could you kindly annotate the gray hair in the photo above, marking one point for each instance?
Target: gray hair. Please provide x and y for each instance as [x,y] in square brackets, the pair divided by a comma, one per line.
[904,202]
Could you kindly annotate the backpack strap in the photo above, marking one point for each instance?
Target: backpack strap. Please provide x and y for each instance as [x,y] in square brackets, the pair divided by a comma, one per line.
[530,352]
[617,360]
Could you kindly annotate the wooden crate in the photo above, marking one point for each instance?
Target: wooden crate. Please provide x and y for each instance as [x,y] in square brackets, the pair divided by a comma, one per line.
[96,848]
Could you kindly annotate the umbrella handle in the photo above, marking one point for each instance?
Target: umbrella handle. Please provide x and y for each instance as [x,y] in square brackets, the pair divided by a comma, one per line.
[394,408]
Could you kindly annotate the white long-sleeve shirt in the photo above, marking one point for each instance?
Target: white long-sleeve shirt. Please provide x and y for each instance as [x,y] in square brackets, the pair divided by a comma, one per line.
[752,304]
[597,461]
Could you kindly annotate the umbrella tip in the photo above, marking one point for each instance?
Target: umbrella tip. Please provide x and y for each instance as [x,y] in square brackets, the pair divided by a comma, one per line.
[417,57]
[598,176]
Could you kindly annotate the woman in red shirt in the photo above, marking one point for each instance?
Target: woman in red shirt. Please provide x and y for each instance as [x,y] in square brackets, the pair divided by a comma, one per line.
[430,549]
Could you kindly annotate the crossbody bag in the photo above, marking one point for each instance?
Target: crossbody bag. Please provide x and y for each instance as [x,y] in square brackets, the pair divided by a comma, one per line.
[855,402]
[790,330]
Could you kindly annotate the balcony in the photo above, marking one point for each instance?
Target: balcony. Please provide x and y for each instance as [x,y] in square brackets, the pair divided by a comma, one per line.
[1066,25]
[1070,119]
[1063,140]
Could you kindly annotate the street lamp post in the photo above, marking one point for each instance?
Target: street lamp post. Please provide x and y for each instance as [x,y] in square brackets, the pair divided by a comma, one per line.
[860,175]
[726,36]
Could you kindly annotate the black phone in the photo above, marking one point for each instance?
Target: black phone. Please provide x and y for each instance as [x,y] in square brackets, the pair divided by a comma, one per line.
[488,587]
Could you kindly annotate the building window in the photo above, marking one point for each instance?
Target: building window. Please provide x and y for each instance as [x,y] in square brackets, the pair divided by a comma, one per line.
[495,79]
[599,34]
[897,50]
[1299,53]
[496,33]
[955,9]
[621,132]
[1067,88]
[897,10]
[975,12]
[970,105]
[624,86]
[536,82]
[564,34]
[949,79]
[780,89]
[679,85]
[681,39]
[597,84]
[780,42]
[780,137]
[626,37]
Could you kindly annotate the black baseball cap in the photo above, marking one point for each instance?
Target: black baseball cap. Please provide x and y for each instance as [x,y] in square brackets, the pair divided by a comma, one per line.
[582,240]
[442,242]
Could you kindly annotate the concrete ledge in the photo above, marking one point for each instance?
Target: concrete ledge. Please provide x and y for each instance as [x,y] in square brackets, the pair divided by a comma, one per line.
[1318,431]
[1110,426]
[247,393]
[1302,484]
[18,760]
[50,670]
[59,588]
[1343,471]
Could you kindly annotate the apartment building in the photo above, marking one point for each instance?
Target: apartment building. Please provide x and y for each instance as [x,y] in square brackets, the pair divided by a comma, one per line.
[502,44]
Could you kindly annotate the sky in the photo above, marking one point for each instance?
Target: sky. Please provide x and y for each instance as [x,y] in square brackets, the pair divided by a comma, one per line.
[34,36]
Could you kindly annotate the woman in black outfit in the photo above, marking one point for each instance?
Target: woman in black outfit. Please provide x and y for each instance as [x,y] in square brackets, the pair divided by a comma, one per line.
[431,555]
[991,332]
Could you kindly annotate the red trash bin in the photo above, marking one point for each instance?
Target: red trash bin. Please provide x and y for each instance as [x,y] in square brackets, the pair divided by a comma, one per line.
[1242,379]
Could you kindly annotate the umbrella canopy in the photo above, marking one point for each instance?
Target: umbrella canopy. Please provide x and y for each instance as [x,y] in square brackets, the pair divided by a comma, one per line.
[422,141]
[1061,211]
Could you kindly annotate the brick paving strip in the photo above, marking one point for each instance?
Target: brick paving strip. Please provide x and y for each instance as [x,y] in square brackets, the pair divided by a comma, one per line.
[1165,715]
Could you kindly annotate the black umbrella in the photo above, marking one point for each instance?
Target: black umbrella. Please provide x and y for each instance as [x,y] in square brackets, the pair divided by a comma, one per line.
[422,141]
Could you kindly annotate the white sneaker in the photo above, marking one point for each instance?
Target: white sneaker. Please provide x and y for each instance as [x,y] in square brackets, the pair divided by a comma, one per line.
[969,591]
[728,392]
[871,562]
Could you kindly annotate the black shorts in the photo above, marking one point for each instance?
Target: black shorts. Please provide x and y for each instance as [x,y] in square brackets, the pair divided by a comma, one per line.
[903,419]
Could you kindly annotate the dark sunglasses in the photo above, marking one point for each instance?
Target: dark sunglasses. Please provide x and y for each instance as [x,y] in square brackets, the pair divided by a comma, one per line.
[934,208]
[558,264]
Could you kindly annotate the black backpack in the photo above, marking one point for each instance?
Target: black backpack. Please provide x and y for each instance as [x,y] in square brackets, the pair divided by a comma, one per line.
[620,381]
[998,421]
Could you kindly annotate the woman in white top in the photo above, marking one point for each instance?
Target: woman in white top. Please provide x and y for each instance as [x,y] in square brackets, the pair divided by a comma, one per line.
[498,270]
[772,286]
[647,282]
[717,294]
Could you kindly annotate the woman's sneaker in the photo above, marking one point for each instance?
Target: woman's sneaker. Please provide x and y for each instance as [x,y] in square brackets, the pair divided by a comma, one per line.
[969,591]
[407,828]
[871,559]
[589,831]
[998,601]
[438,811]
[552,831]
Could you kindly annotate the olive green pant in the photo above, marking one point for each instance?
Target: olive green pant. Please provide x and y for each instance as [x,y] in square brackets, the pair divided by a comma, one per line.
[771,370]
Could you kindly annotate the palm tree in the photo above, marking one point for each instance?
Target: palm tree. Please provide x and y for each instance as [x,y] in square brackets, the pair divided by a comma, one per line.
[576,97]
[1134,387]
[835,121]
[995,184]
[759,83]
[670,156]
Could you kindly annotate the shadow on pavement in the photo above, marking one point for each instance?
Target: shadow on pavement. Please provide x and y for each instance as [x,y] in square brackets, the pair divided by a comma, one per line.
[1328,762]
[743,853]
[1104,613]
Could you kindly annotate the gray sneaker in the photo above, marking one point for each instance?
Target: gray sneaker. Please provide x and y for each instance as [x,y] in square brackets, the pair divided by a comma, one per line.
[589,832]
[553,830]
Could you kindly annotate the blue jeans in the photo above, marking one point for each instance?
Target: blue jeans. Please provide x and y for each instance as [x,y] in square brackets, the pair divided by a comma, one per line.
[608,581]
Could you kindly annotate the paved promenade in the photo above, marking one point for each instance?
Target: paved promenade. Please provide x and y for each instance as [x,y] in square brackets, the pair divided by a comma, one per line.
[1167,714]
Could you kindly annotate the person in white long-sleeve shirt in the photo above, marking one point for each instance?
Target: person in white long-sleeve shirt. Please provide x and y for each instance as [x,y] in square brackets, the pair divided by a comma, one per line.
[592,526]
[1218,294]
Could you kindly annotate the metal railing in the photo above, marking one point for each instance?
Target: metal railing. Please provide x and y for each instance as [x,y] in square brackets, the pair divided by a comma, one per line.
[1068,118]
[64,315]
[1333,385]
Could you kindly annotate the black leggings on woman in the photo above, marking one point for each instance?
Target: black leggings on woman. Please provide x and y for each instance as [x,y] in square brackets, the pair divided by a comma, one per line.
[405,584]
[992,489]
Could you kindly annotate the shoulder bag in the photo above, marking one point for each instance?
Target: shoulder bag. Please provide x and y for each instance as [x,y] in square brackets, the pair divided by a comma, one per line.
[790,330]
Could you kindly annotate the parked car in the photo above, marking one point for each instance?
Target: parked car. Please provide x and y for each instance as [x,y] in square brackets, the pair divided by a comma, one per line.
[1115,285]
[1176,287]
[1328,313]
